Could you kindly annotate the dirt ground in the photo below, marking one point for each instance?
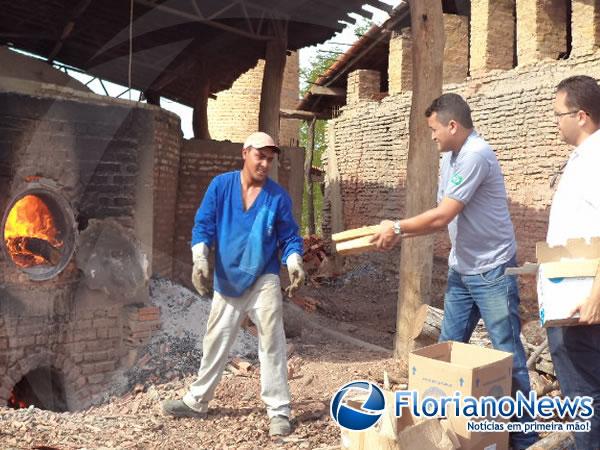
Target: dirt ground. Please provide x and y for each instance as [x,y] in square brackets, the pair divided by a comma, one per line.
[237,418]
[363,302]
[360,303]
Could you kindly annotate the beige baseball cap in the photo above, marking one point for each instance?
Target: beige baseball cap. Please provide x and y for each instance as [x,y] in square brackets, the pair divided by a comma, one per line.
[260,140]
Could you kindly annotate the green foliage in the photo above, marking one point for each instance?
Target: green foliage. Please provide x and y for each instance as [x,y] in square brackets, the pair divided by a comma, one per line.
[317,66]
[362,26]
[308,75]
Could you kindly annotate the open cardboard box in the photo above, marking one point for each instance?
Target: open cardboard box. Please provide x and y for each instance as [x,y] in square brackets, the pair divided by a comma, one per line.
[448,367]
[400,433]
[565,275]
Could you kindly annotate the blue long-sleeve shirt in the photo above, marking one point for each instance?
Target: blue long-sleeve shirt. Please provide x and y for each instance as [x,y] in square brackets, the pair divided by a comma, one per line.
[246,242]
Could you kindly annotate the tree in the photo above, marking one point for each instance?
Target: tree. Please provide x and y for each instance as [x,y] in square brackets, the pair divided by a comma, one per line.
[308,76]
[362,26]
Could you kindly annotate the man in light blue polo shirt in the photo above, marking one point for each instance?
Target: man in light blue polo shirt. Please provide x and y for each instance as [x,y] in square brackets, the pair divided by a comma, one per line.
[472,203]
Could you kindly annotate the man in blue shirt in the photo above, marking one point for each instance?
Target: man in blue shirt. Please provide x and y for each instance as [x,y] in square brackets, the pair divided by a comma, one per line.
[248,217]
[472,203]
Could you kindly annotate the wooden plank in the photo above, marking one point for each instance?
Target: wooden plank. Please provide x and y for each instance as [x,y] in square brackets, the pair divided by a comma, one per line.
[355,246]
[307,179]
[355,233]
[416,255]
[327,91]
[333,189]
[296,114]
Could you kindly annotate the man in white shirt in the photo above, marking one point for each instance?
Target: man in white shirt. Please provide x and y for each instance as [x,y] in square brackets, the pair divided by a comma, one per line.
[575,213]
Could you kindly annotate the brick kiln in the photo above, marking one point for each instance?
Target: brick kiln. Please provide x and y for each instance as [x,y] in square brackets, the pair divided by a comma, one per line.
[76,203]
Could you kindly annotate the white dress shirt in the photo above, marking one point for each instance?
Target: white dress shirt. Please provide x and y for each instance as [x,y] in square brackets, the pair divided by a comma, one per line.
[575,211]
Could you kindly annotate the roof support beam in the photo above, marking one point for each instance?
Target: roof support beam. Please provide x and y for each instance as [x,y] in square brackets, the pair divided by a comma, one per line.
[364,13]
[203,20]
[272,82]
[200,115]
[380,5]
[68,29]
[327,91]
[296,114]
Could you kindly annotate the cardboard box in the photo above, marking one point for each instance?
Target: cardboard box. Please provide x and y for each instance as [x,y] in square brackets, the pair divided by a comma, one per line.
[565,278]
[448,367]
[400,433]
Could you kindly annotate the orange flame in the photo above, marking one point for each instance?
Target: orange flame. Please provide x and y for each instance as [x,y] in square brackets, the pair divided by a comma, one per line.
[13,402]
[29,218]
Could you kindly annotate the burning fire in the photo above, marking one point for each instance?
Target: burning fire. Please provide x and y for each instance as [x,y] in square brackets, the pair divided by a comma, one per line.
[30,234]
[14,402]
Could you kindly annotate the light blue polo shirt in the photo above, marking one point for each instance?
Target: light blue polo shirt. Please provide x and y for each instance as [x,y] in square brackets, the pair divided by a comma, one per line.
[482,235]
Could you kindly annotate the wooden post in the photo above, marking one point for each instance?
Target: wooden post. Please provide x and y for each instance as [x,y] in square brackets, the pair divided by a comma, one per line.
[270,98]
[333,188]
[200,115]
[307,179]
[152,97]
[416,256]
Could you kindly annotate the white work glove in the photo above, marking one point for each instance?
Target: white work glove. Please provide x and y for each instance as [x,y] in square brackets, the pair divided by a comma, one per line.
[200,278]
[296,272]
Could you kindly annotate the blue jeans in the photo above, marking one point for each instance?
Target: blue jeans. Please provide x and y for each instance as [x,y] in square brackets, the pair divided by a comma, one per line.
[576,356]
[495,298]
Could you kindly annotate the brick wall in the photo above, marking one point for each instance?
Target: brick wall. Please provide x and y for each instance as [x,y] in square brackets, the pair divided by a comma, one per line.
[541,30]
[456,54]
[492,35]
[168,138]
[456,48]
[363,85]
[512,110]
[585,18]
[400,62]
[234,114]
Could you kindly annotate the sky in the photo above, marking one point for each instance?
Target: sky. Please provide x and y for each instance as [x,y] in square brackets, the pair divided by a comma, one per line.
[339,42]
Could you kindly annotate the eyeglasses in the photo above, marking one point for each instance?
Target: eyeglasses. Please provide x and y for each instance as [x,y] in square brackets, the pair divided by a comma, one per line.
[557,114]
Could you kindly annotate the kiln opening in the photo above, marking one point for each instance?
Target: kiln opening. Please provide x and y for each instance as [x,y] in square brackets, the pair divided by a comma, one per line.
[38,232]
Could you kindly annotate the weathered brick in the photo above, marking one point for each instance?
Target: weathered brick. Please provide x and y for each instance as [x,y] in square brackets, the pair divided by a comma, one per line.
[23,341]
[103,323]
[102,333]
[95,356]
[363,85]
[106,366]
[96,378]
[400,62]
[585,20]
[541,30]
[492,35]
[85,335]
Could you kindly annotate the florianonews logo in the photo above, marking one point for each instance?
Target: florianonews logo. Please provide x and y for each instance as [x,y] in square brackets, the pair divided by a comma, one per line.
[362,413]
